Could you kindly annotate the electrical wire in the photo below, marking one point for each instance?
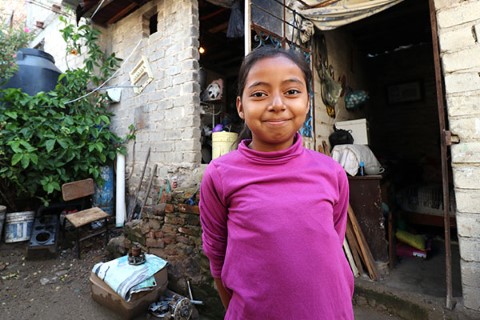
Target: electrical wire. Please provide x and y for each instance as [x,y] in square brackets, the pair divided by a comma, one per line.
[98,7]
[110,78]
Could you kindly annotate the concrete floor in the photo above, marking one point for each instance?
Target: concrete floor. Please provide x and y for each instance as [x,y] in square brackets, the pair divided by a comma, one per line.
[427,276]
[416,288]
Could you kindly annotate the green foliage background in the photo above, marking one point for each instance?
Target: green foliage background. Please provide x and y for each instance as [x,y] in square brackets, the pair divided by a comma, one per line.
[62,135]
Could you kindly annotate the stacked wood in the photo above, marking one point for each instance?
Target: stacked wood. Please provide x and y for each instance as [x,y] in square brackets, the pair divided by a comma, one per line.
[359,247]
[355,245]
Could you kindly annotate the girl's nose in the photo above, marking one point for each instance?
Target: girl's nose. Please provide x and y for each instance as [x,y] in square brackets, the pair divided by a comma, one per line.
[277,103]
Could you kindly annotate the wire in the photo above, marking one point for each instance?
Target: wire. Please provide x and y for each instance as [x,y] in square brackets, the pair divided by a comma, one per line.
[113,75]
[98,7]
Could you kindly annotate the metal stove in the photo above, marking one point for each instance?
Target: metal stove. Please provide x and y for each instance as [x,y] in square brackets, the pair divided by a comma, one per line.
[43,240]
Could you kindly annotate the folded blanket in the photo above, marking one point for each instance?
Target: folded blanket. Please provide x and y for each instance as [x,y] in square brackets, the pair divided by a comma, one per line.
[350,156]
[126,279]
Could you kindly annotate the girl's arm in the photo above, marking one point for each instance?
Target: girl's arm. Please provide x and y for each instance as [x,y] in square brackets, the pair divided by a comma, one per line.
[222,292]
[340,209]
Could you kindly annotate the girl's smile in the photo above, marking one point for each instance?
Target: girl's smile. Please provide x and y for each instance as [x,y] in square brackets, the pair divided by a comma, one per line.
[274,103]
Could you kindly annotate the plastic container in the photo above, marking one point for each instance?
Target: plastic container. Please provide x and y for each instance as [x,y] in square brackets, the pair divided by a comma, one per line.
[361,169]
[18,226]
[3,209]
[36,72]
[139,302]
[223,142]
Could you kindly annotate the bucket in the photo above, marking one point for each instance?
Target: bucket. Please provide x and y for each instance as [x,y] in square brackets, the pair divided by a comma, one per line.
[18,226]
[223,142]
[3,209]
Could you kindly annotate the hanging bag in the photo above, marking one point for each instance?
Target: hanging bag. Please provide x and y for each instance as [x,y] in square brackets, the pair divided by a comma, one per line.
[354,99]
[340,136]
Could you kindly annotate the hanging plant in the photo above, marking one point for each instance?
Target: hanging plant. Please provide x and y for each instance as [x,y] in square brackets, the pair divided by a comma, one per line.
[62,135]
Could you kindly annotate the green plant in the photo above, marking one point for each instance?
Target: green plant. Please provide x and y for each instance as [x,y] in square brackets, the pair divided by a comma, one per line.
[62,135]
[12,38]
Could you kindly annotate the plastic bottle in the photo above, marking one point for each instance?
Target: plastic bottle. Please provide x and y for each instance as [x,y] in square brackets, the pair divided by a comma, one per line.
[361,169]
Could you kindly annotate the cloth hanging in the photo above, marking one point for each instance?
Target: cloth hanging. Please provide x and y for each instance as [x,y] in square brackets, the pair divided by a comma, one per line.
[235,23]
[329,14]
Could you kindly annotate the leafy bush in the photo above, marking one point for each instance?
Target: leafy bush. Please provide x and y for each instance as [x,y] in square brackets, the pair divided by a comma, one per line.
[62,135]
[12,38]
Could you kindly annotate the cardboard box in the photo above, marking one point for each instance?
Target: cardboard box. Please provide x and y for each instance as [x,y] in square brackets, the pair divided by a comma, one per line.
[138,304]
[358,128]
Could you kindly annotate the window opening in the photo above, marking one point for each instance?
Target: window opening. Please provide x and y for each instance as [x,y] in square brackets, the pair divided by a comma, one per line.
[150,22]
[153,23]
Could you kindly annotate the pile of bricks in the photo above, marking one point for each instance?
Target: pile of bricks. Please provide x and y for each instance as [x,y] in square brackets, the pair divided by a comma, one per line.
[172,231]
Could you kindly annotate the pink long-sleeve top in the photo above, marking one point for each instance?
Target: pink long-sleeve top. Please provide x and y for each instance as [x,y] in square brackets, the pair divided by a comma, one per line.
[273,229]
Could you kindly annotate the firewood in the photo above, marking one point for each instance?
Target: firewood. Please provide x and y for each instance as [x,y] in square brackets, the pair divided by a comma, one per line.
[365,250]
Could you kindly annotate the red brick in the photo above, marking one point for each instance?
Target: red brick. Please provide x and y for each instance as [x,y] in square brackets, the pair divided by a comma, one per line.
[159,252]
[171,251]
[169,208]
[184,240]
[150,234]
[189,230]
[169,239]
[169,229]
[188,209]
[174,220]
[155,243]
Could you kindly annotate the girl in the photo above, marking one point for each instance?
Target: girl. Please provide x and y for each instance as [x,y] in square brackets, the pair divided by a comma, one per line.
[274,213]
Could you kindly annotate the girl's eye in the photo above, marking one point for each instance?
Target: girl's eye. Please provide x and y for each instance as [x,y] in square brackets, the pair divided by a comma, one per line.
[292,91]
[258,94]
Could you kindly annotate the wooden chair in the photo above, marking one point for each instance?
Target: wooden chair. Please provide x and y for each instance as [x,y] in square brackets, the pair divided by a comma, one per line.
[83,189]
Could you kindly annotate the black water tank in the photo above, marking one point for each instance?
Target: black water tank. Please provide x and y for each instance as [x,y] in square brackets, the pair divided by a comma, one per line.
[36,72]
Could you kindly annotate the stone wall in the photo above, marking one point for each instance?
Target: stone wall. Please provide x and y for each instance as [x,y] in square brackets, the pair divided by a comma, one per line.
[459,36]
[172,231]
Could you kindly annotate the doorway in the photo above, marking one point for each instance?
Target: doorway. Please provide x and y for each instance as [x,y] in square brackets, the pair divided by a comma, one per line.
[402,115]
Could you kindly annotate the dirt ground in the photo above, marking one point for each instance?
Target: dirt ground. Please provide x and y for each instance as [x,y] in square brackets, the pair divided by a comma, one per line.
[59,288]
[55,288]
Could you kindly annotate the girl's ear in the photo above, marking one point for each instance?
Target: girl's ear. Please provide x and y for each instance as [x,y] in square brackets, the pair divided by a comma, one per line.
[308,107]
[240,108]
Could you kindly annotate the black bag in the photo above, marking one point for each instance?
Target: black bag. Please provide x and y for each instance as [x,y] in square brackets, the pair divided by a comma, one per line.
[340,136]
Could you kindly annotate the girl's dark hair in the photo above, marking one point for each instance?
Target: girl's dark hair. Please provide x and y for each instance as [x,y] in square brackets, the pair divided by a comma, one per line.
[263,53]
[269,52]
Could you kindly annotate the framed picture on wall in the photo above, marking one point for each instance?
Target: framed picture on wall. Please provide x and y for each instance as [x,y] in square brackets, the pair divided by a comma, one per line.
[404,92]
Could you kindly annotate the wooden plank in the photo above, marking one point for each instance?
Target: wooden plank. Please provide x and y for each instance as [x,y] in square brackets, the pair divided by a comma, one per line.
[350,259]
[392,253]
[78,189]
[364,249]
[352,241]
[86,216]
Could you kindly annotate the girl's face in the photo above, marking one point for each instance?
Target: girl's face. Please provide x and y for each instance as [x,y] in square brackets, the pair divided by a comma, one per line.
[274,103]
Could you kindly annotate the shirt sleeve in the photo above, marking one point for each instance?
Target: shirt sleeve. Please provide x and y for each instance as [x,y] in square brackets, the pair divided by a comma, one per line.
[340,209]
[213,217]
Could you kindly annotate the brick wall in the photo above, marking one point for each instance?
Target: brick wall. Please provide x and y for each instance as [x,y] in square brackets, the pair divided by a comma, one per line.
[166,113]
[172,231]
[459,35]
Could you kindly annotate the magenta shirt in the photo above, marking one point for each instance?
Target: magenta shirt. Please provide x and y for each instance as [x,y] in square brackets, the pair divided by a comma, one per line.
[273,228]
